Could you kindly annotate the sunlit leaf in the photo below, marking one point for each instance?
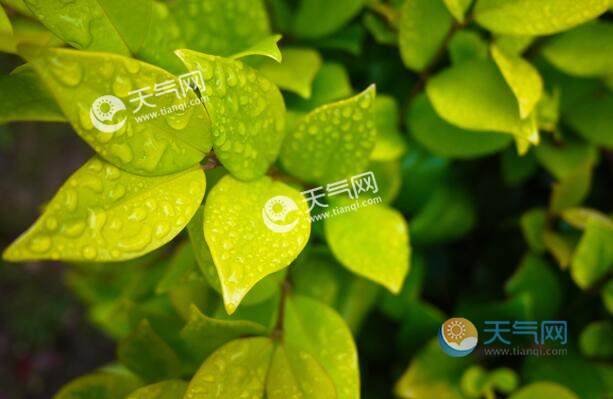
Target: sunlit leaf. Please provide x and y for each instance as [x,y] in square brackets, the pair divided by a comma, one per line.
[161,145]
[6,29]
[333,141]
[253,229]
[372,241]
[170,389]
[295,72]
[266,47]
[247,113]
[528,17]
[104,214]
[458,8]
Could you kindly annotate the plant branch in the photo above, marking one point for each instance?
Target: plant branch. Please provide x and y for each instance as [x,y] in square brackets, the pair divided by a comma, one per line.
[277,333]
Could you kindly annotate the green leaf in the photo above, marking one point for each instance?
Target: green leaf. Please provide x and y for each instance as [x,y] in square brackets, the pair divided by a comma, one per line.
[170,389]
[595,340]
[527,17]
[330,84]
[348,39]
[100,385]
[422,27]
[317,18]
[467,45]
[146,354]
[535,279]
[582,51]
[572,189]
[389,179]
[390,144]
[246,244]
[202,251]
[294,373]
[458,8]
[372,241]
[203,334]
[24,98]
[515,168]
[6,29]
[333,141]
[266,47]
[381,31]
[607,296]
[17,5]
[320,331]
[163,145]
[104,214]
[593,258]
[562,160]
[221,27]
[560,246]
[522,78]
[474,96]
[432,375]
[533,224]
[246,110]
[296,72]
[237,369]
[592,119]
[477,382]
[444,139]
[579,217]
[540,390]
[26,30]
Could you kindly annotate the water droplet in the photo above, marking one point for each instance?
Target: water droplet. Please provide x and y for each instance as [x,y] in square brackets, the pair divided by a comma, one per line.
[40,244]
[65,71]
[89,252]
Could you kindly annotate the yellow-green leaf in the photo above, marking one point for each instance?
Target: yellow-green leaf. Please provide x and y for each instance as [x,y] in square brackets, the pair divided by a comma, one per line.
[294,373]
[253,229]
[161,145]
[458,8]
[266,47]
[247,113]
[26,30]
[317,18]
[572,189]
[372,241]
[593,257]
[320,331]
[423,26]
[332,142]
[201,249]
[104,214]
[169,389]
[390,144]
[522,78]
[204,334]
[530,17]
[474,96]
[583,51]
[236,370]
[296,71]
[100,385]
[541,390]
[6,29]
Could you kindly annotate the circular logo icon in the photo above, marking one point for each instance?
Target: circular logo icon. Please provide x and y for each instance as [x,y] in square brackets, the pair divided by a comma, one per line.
[276,211]
[458,337]
[102,112]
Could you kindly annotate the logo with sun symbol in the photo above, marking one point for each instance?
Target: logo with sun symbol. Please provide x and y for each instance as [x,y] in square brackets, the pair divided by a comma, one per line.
[102,112]
[458,337]
[276,212]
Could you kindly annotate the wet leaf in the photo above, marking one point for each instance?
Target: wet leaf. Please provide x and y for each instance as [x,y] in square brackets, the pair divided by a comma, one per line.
[24,98]
[237,369]
[593,258]
[162,145]
[333,141]
[294,373]
[170,389]
[422,27]
[146,354]
[296,71]
[253,229]
[444,139]
[372,241]
[203,334]
[474,96]
[320,331]
[317,18]
[522,77]
[104,214]
[527,17]
[266,47]
[201,249]
[247,113]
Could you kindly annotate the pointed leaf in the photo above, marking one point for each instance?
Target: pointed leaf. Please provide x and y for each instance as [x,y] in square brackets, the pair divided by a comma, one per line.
[266,47]
[317,18]
[204,334]
[248,236]
[296,72]
[162,145]
[237,369]
[320,331]
[104,214]
[529,17]
[423,26]
[458,8]
[294,373]
[522,77]
[333,141]
[247,113]
[372,242]
[170,389]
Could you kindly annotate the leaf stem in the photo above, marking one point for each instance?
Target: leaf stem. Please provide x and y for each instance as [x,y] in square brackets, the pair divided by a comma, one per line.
[211,161]
[277,333]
